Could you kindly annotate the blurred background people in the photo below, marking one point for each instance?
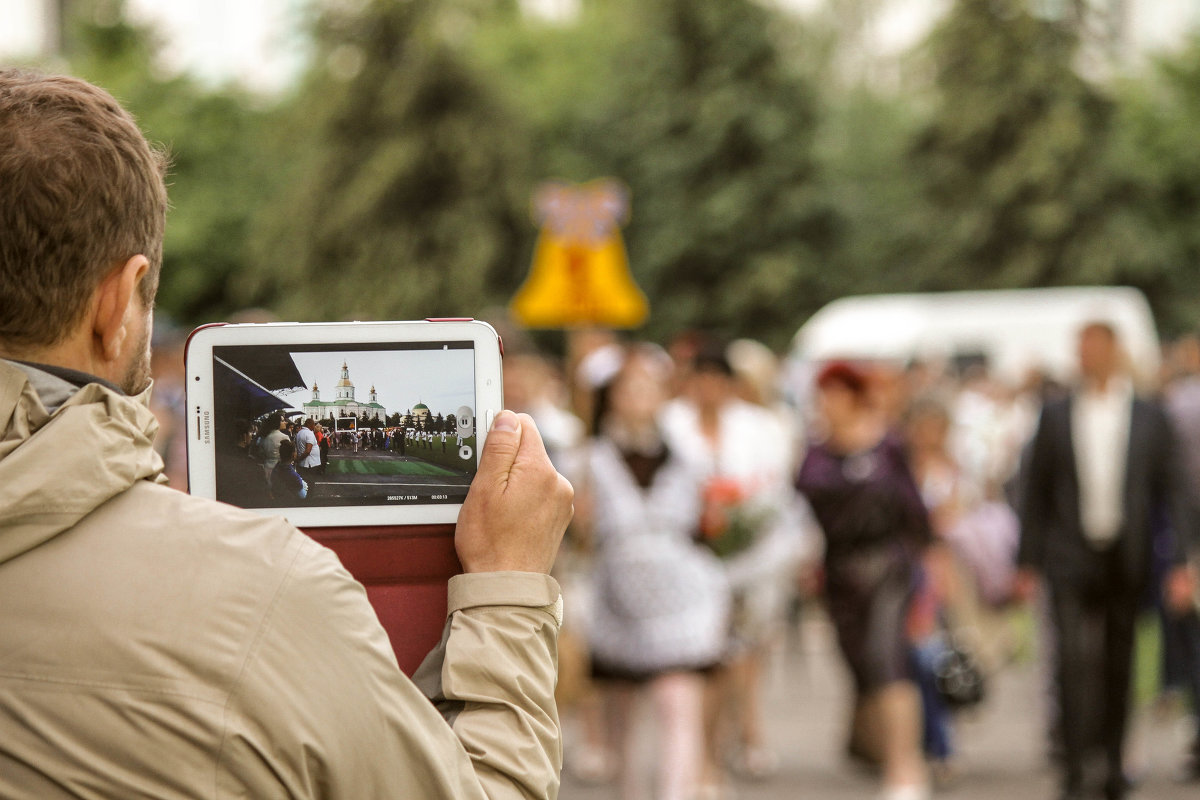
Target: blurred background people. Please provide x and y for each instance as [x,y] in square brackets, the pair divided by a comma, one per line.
[534,386]
[1181,630]
[1103,465]
[942,486]
[660,612]
[168,399]
[967,571]
[857,480]
[750,519]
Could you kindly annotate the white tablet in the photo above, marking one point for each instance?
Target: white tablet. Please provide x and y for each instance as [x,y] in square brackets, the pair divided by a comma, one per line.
[341,424]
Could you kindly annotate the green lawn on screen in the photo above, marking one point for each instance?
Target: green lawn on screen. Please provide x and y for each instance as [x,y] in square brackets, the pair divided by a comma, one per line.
[360,466]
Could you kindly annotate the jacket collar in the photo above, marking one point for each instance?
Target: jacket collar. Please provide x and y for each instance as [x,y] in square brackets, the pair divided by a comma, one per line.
[59,464]
[70,376]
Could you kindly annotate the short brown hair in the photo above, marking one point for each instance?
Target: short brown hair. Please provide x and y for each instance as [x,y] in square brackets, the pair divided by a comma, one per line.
[81,192]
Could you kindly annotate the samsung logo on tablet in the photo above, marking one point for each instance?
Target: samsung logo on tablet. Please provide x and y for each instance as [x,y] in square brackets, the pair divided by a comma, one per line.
[207,429]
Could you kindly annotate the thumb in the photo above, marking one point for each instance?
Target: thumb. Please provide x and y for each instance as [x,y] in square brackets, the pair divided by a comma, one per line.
[501,447]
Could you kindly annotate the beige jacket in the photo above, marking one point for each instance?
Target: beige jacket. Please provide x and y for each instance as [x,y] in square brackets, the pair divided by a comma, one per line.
[156,645]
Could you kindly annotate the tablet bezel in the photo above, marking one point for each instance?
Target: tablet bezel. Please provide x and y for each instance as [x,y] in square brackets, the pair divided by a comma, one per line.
[201,423]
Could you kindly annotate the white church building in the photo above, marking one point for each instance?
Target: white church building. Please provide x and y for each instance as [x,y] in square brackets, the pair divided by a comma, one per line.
[343,403]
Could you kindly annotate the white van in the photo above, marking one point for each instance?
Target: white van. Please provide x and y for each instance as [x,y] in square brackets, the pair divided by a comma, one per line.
[1014,330]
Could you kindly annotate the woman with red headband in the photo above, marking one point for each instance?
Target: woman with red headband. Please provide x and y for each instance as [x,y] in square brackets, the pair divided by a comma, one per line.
[860,488]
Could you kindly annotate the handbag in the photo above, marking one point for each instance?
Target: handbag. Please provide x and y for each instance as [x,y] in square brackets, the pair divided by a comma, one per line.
[957,674]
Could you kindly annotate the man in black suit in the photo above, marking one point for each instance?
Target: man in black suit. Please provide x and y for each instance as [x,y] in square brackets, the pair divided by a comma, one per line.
[1103,464]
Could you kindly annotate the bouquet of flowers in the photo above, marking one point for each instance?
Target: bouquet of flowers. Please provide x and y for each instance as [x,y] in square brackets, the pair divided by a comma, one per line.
[729,523]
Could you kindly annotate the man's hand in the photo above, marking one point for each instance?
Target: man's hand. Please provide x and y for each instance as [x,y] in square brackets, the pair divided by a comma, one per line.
[1025,584]
[518,507]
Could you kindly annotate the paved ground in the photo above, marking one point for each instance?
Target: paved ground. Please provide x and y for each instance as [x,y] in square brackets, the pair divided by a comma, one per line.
[1001,748]
[375,474]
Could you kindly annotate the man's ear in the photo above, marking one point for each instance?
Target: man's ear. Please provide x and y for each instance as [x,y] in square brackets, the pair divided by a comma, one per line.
[115,299]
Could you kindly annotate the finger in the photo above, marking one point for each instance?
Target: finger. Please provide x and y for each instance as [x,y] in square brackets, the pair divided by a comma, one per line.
[533,449]
[501,447]
[567,492]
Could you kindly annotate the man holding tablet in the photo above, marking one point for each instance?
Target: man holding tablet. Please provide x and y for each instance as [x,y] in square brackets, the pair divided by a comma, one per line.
[155,644]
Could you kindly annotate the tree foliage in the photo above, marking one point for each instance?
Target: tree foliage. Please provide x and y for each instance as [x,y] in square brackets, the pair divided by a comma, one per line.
[696,107]
[1154,152]
[714,132]
[1033,174]
[221,168]
[401,201]
[395,180]
[1012,160]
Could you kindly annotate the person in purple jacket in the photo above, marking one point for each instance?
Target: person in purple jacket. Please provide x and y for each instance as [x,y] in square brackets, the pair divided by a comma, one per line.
[860,488]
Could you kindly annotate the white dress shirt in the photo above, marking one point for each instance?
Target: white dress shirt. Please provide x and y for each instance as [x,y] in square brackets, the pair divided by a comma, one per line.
[1100,437]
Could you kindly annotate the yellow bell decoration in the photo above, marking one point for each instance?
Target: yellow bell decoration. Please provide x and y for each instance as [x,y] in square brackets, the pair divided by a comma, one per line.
[580,274]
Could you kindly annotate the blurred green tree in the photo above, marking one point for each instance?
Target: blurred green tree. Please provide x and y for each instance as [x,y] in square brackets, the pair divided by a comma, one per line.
[395,181]
[714,132]
[399,199]
[1035,175]
[696,106]
[222,168]
[1154,153]
[1013,161]
[867,175]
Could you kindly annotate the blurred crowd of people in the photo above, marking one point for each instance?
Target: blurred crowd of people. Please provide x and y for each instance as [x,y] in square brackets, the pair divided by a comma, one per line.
[720,494]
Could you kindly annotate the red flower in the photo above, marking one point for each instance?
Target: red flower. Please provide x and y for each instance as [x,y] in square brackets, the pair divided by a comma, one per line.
[721,495]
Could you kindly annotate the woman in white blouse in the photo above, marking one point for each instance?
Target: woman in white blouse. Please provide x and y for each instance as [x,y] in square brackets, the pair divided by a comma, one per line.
[661,609]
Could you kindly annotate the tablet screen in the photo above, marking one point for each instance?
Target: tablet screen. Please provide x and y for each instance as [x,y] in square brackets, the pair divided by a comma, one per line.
[335,425]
